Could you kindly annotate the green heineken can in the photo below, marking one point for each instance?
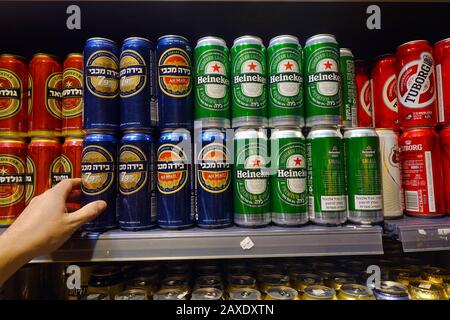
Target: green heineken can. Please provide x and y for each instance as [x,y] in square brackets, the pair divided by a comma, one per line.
[288,181]
[212,83]
[322,77]
[251,178]
[348,86]
[326,176]
[285,74]
[365,200]
[248,89]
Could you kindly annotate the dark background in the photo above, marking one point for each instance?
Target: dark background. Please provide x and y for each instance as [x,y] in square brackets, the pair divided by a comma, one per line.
[29,27]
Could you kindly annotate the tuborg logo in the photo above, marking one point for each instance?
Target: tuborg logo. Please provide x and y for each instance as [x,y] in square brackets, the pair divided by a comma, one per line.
[133,73]
[10,93]
[175,73]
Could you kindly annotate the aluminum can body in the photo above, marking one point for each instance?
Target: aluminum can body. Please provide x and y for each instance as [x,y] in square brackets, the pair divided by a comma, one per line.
[348,85]
[364,95]
[72,96]
[441,53]
[71,151]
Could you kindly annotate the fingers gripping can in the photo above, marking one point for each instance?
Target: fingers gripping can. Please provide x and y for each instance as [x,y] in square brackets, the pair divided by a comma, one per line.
[288,183]
[348,110]
[326,176]
[322,81]
[248,89]
[365,200]
[70,161]
[285,89]
[251,178]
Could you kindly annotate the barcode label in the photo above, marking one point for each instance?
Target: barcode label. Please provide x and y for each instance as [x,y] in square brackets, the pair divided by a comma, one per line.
[430,183]
[440,93]
[412,200]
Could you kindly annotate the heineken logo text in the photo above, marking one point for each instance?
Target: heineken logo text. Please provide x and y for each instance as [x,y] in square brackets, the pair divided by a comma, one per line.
[324,76]
[213,79]
[248,78]
[285,77]
[252,174]
[291,173]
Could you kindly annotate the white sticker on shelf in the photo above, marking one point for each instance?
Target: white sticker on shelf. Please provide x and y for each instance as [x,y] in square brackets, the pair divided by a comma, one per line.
[247,244]
[422,232]
[443,232]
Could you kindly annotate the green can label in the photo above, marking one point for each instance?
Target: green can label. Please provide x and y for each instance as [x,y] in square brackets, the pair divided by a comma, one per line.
[212,82]
[348,89]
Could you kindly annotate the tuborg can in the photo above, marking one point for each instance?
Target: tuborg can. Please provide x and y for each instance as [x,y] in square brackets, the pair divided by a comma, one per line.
[71,163]
[288,183]
[212,83]
[213,203]
[137,194]
[322,84]
[45,117]
[441,54]
[390,290]
[175,101]
[362,153]
[348,85]
[364,95]
[72,96]
[415,84]
[390,173]
[384,92]
[13,96]
[101,85]
[326,176]
[138,105]
[444,137]
[12,179]
[174,179]
[248,88]
[285,89]
[251,178]
[421,172]
[98,177]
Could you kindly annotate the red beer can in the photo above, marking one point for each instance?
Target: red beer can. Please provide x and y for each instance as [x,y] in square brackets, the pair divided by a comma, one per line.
[43,166]
[45,116]
[72,96]
[13,153]
[415,85]
[441,54]
[444,137]
[384,92]
[364,103]
[421,172]
[13,96]
[71,161]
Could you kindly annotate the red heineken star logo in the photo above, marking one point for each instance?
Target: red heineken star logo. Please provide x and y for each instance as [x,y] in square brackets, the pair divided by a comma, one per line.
[288,66]
[298,161]
[216,68]
[256,163]
[252,66]
[328,65]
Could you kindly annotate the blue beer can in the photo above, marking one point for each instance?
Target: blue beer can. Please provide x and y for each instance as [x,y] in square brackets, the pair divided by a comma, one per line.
[137,194]
[138,104]
[175,98]
[213,202]
[101,85]
[98,177]
[174,179]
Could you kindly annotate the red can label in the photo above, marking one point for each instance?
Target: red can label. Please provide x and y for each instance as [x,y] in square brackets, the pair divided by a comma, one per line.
[10,93]
[12,186]
[389,93]
[30,180]
[53,87]
[364,105]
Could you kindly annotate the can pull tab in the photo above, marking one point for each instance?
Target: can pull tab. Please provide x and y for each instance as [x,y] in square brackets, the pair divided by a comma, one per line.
[247,243]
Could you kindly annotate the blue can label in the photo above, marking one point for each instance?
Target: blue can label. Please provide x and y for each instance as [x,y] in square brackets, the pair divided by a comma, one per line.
[133,169]
[133,73]
[97,170]
[175,73]
[172,168]
[102,75]
[214,174]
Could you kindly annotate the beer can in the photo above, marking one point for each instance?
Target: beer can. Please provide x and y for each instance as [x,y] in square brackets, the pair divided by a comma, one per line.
[175,99]
[405,276]
[210,281]
[45,117]
[421,172]
[273,280]
[72,96]
[444,137]
[288,183]
[441,53]
[137,181]
[98,177]
[248,87]
[212,83]
[209,294]
[318,292]
[364,95]
[213,202]
[101,85]
[304,280]
[365,199]
[70,163]
[170,294]
[435,274]
[174,179]
[13,96]
[390,290]
[348,87]
[13,155]
[446,284]
[384,92]
[148,284]
[326,176]
[426,290]
[390,173]
[245,294]
[281,293]
[322,84]
[416,92]
[251,178]
[75,293]
[106,278]
[285,88]
[351,291]
[132,294]
[138,104]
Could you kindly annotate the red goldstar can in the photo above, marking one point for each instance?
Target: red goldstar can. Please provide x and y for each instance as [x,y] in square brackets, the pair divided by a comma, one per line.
[364,114]
[13,96]
[444,136]
[416,92]
[13,154]
[421,172]
[71,161]
[45,116]
[441,54]
[72,96]
[384,92]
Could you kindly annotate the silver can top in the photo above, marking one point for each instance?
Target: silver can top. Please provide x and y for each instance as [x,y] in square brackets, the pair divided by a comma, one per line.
[248,40]
[172,36]
[280,133]
[136,38]
[284,39]
[324,132]
[360,132]
[211,41]
[207,294]
[245,294]
[345,52]
[250,133]
[319,292]
[320,38]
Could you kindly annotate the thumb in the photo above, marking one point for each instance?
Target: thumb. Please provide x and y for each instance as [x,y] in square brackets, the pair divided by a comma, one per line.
[87,213]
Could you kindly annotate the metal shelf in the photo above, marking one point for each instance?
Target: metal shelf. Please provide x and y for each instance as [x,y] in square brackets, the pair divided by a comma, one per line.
[418,234]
